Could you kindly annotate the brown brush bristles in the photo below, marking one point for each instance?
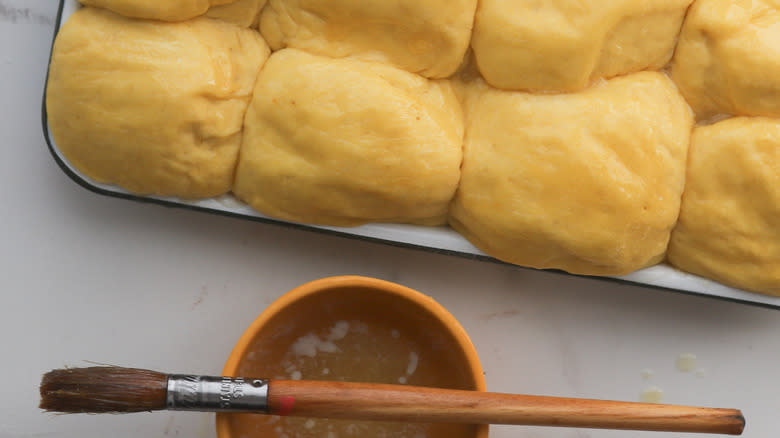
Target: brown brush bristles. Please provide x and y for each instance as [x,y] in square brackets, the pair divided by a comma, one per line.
[103,389]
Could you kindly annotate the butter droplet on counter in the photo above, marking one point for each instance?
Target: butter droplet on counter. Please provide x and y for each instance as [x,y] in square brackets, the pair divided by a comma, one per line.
[701,372]
[686,362]
[647,374]
[652,394]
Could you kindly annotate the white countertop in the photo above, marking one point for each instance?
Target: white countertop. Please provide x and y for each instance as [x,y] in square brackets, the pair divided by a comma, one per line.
[91,278]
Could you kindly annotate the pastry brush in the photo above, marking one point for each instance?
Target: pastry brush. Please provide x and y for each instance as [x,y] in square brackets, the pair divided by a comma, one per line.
[111,389]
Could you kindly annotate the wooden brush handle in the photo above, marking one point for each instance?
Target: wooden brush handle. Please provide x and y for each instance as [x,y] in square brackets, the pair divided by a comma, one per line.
[368,401]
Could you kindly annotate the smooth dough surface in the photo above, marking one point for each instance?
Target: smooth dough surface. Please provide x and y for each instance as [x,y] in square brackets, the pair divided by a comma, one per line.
[563,45]
[427,37]
[244,13]
[728,58]
[729,227]
[154,107]
[165,10]
[588,182]
[346,142]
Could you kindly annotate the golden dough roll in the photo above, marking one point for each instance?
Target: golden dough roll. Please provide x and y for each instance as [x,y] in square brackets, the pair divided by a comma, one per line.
[347,142]
[245,13]
[588,182]
[729,226]
[165,10]
[564,45]
[426,37]
[728,58]
[154,107]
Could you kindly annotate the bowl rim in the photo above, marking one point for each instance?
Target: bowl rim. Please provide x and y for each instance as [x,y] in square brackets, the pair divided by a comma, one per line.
[328,283]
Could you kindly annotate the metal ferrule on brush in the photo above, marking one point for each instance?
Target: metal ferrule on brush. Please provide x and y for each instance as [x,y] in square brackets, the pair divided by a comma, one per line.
[216,394]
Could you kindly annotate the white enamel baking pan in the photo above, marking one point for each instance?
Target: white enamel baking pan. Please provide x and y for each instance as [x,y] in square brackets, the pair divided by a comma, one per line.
[442,240]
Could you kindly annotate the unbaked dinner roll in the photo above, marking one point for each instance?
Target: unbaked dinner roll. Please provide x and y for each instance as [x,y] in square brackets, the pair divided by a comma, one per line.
[589,182]
[166,10]
[728,58]
[563,45]
[346,142]
[428,37]
[729,227]
[244,13]
[156,108]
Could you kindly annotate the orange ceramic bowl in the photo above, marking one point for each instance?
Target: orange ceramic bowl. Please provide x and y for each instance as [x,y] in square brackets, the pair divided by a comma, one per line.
[354,329]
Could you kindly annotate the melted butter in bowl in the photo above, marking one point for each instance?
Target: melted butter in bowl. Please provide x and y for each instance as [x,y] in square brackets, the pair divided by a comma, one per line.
[354,329]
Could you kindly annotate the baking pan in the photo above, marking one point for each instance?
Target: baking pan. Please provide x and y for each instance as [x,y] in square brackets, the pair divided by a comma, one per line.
[436,239]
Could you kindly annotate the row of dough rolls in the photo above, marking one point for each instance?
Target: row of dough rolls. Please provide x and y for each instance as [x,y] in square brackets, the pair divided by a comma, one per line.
[512,41]
[589,181]
[727,66]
